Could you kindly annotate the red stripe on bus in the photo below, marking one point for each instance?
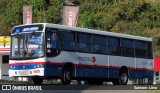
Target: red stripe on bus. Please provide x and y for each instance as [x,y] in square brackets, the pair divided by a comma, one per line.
[55,63]
[25,63]
[99,66]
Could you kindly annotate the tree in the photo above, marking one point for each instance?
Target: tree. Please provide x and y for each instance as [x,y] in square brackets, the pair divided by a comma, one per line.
[12,13]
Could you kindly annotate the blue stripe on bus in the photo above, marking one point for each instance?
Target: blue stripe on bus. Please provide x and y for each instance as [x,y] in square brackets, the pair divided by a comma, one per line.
[96,72]
[24,67]
[141,74]
[111,73]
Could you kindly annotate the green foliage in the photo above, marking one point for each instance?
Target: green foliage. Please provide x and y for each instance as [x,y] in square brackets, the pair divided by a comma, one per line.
[11,12]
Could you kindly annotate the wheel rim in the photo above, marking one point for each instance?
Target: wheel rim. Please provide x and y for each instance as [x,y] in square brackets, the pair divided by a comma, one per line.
[68,75]
[123,78]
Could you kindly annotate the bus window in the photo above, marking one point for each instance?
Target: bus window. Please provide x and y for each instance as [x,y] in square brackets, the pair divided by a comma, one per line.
[149,50]
[141,49]
[84,42]
[68,41]
[114,46]
[127,47]
[52,40]
[52,43]
[100,44]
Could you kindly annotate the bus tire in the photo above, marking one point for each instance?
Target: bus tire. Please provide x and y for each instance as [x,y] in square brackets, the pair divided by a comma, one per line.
[123,77]
[66,76]
[37,80]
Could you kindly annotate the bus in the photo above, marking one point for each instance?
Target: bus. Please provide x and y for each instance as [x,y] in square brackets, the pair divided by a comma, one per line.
[51,51]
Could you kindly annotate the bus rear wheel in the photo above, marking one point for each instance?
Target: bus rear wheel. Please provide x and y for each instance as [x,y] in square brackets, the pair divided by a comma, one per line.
[123,78]
[66,76]
[37,80]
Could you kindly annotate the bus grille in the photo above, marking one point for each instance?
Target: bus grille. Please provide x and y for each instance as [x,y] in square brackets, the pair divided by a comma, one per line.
[23,73]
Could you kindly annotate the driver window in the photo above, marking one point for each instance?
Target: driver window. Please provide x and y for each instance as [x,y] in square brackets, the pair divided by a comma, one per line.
[52,40]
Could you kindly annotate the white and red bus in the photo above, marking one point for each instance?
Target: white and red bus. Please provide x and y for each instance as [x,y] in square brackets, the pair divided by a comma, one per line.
[45,51]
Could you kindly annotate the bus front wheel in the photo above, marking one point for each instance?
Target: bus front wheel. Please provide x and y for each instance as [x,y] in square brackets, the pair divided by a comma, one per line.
[66,76]
[37,80]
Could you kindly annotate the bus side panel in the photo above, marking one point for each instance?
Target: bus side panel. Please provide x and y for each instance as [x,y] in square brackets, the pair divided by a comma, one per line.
[113,72]
[117,62]
[140,74]
[55,65]
[144,68]
[92,65]
[91,72]
[53,70]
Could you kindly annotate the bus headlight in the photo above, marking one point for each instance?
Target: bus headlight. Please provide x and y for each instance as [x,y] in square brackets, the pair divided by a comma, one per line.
[40,66]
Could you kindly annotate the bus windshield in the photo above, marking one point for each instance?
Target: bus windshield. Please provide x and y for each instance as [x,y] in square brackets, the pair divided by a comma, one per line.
[27,45]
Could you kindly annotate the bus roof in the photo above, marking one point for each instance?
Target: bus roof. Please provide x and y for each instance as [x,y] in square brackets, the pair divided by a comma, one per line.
[100,32]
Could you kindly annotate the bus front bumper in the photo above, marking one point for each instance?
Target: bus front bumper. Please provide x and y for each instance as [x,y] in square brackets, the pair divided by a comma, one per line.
[26,72]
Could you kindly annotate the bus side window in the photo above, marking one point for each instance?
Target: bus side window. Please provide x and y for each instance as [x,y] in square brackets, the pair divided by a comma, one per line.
[48,41]
[52,42]
[114,46]
[149,50]
[141,49]
[84,42]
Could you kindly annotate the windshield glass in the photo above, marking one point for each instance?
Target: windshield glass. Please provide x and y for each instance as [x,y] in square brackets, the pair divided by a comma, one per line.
[27,45]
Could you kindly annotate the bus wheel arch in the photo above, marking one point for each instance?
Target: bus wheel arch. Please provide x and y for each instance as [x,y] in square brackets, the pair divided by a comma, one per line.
[68,72]
[123,75]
